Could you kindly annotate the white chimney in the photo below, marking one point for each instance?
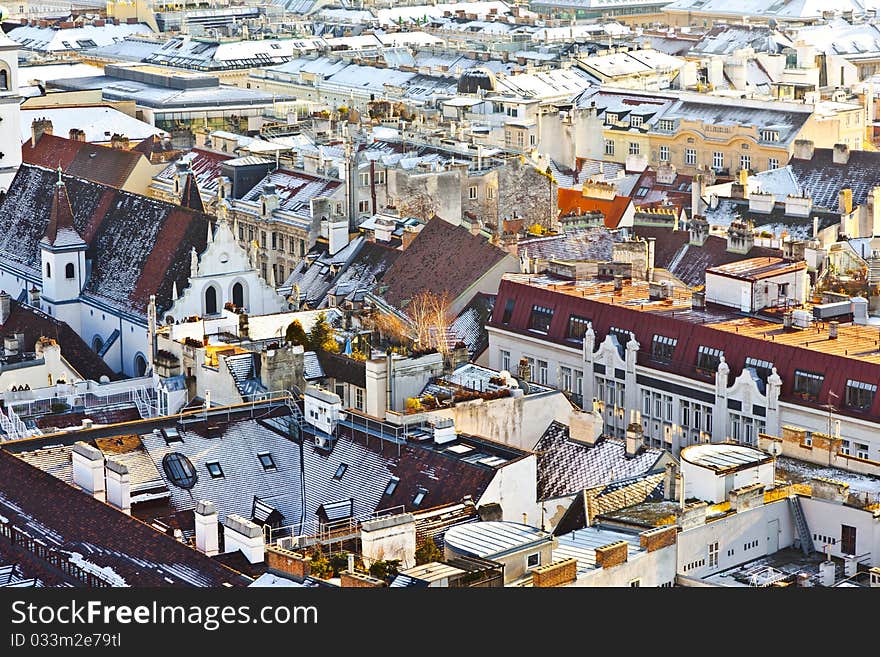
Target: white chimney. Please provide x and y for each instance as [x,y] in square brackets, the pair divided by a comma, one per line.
[241,534]
[118,485]
[207,528]
[634,437]
[826,573]
[88,469]
[444,430]
[337,235]
[5,307]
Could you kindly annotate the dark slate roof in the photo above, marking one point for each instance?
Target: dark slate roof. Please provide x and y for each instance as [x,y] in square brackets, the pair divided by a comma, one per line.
[579,244]
[101,164]
[470,325]
[349,273]
[688,262]
[822,179]
[74,523]
[441,258]
[138,246]
[35,324]
[566,467]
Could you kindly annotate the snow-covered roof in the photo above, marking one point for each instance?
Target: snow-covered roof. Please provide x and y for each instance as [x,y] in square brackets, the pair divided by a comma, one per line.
[50,39]
[99,123]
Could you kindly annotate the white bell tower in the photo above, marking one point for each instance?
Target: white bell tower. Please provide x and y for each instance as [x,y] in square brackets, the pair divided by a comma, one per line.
[10,133]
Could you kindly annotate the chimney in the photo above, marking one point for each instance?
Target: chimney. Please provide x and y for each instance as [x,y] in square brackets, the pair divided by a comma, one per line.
[618,283]
[840,154]
[634,438]
[5,307]
[10,345]
[120,142]
[698,300]
[669,482]
[241,534]
[584,427]
[803,149]
[88,469]
[832,330]
[444,430]
[207,527]
[845,199]
[75,134]
[875,577]
[697,191]
[826,573]
[118,485]
[40,127]
[787,319]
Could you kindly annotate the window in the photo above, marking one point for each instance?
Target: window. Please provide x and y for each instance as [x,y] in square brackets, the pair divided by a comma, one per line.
[860,395]
[69,270]
[769,135]
[745,162]
[808,384]
[392,486]
[533,560]
[505,360]
[359,398]
[48,270]
[635,121]
[171,435]
[667,407]
[274,241]
[713,554]
[634,148]
[646,403]
[266,461]
[340,471]
[708,358]
[365,180]
[490,193]
[609,147]
[542,372]
[690,156]
[662,348]
[578,382]
[862,450]
[214,469]
[610,118]
[685,414]
[472,192]
[379,176]
[241,233]
[763,368]
[565,378]
[363,206]
[664,153]
[281,242]
[577,327]
[666,125]
[508,311]
[420,495]
[772,163]
[623,335]
[540,318]
[263,238]
[179,470]
[717,160]
[636,583]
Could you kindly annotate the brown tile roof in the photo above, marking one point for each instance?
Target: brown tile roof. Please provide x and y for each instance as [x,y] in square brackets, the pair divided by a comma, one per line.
[72,522]
[35,324]
[108,166]
[442,258]
[572,202]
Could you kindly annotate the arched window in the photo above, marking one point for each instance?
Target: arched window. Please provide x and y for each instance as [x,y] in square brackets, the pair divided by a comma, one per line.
[69,270]
[48,270]
[140,365]
[211,300]
[97,344]
[4,80]
[179,470]
[238,295]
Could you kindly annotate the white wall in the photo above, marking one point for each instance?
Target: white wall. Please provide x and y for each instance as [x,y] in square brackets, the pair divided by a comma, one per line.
[514,487]
[825,518]
[651,568]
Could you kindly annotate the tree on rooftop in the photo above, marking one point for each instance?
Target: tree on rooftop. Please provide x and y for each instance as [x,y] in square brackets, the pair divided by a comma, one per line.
[295,334]
[321,337]
[431,316]
[528,193]
[428,552]
[417,200]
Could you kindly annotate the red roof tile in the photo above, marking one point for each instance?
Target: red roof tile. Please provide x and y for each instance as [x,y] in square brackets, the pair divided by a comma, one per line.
[108,166]
[572,201]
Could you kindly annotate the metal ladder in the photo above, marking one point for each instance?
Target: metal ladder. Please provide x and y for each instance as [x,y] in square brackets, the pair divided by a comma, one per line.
[800,521]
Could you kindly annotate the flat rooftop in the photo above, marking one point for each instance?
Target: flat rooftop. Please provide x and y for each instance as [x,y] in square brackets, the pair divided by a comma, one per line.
[581,545]
[754,269]
[722,457]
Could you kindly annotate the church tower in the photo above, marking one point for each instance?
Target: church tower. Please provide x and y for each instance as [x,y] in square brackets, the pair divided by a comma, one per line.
[10,133]
[63,260]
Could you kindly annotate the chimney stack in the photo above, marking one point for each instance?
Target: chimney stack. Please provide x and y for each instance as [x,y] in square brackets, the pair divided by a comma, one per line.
[88,469]
[840,154]
[75,134]
[634,438]
[40,127]
[5,307]
[832,330]
[241,534]
[207,527]
[118,485]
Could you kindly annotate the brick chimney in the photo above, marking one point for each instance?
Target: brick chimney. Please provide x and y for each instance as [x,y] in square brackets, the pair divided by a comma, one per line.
[76,134]
[840,154]
[40,127]
[803,149]
[120,142]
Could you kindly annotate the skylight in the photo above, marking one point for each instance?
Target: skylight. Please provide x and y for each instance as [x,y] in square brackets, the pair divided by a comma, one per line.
[267,461]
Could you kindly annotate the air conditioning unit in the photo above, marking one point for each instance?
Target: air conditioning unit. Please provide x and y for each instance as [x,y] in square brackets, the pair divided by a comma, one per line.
[324,442]
[287,543]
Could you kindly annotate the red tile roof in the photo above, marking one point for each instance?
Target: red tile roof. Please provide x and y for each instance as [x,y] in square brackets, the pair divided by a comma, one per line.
[573,202]
[442,258]
[108,166]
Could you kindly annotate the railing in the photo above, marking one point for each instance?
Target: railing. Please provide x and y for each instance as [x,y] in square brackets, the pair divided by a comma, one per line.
[311,532]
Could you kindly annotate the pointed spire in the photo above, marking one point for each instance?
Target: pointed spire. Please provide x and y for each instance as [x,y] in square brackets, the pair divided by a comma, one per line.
[174,294]
[272,282]
[190,196]
[61,216]
[210,232]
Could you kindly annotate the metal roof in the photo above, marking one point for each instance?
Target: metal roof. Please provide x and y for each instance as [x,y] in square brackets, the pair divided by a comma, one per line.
[493,538]
[722,457]
[581,545]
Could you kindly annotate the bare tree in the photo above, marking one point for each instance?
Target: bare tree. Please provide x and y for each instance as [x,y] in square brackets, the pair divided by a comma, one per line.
[417,201]
[431,317]
[528,193]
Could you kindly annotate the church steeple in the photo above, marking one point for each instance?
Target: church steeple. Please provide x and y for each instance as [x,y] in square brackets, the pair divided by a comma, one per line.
[10,112]
[61,231]
[190,197]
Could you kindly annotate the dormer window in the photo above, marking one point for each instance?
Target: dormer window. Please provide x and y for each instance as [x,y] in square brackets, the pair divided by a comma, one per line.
[635,121]
[666,125]
[610,118]
[769,135]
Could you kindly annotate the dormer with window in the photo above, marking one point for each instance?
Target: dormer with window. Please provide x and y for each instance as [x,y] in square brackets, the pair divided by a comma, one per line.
[768,134]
